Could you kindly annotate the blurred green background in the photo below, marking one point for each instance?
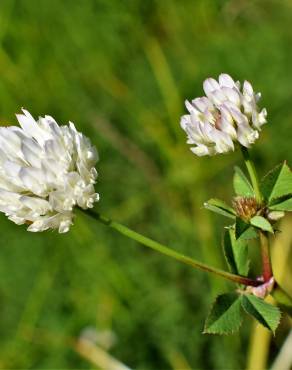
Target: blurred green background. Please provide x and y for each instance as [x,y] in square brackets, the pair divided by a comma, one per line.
[121,70]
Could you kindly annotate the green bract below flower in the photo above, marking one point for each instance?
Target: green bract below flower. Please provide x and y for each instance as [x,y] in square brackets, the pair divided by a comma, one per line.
[226,115]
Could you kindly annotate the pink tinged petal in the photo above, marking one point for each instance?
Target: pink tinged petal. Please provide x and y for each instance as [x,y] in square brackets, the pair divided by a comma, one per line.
[194,131]
[217,97]
[225,114]
[238,116]
[203,104]
[210,85]
[207,131]
[226,80]
[191,108]
[228,128]
[208,116]
[184,121]
[231,95]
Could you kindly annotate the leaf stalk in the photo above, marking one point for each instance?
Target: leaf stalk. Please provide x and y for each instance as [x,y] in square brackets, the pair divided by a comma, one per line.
[158,247]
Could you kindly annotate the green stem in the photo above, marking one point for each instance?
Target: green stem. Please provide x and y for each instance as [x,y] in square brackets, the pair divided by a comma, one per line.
[264,240]
[266,259]
[252,174]
[169,252]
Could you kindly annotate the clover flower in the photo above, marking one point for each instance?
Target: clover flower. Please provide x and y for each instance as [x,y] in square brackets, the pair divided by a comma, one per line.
[45,170]
[226,115]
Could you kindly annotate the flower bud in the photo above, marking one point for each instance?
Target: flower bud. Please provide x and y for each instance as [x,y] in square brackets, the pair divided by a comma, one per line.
[262,290]
[245,207]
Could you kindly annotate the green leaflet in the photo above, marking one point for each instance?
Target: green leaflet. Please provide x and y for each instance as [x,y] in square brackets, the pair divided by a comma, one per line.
[242,186]
[225,316]
[277,183]
[236,253]
[240,227]
[262,223]
[249,233]
[219,206]
[284,205]
[266,314]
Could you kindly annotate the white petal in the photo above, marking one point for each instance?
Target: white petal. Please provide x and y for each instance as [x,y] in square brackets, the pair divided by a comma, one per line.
[210,85]
[247,88]
[33,180]
[39,205]
[203,104]
[30,126]
[201,150]
[226,80]
[191,108]
[231,95]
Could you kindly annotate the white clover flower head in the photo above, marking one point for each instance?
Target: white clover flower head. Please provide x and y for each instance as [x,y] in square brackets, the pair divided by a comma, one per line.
[226,115]
[45,170]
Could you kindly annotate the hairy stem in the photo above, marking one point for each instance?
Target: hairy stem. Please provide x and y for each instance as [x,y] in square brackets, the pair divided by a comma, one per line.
[252,174]
[266,259]
[158,247]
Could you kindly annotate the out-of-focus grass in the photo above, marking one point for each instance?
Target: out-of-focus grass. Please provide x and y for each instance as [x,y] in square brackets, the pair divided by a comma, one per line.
[120,71]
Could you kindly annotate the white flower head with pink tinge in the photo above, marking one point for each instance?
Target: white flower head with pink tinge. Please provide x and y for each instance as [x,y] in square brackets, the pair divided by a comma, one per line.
[45,170]
[226,115]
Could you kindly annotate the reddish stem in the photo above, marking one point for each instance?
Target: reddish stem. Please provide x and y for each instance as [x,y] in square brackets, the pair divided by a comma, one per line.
[266,259]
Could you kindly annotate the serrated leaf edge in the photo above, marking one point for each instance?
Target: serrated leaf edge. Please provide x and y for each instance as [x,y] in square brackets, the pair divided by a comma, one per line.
[209,312]
[280,317]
